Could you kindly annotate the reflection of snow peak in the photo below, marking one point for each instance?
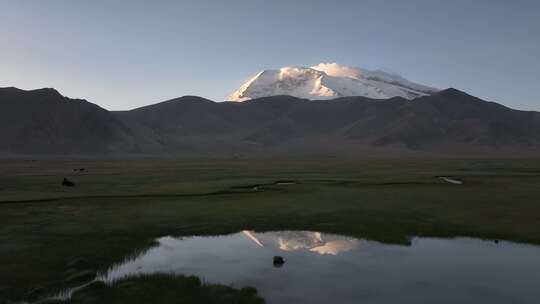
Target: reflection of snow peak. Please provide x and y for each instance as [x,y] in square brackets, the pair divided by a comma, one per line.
[252,237]
[305,240]
[299,240]
[335,247]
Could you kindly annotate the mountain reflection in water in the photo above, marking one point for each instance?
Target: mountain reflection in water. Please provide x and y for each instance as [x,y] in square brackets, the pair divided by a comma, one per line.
[305,240]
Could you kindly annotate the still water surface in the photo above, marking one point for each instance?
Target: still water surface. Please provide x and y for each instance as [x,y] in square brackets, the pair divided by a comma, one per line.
[325,268]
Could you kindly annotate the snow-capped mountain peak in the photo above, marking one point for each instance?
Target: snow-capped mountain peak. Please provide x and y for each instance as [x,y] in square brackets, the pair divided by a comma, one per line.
[327,81]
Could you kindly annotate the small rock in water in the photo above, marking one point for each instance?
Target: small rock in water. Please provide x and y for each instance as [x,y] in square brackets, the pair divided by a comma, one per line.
[278,261]
[496,241]
[67,183]
[82,169]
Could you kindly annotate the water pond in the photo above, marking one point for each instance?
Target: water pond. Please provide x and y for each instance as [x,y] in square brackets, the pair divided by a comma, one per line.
[326,268]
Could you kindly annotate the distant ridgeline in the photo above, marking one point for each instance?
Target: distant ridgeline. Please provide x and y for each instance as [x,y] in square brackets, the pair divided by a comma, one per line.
[45,123]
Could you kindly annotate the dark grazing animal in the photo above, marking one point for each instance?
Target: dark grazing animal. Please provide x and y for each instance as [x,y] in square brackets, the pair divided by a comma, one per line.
[67,183]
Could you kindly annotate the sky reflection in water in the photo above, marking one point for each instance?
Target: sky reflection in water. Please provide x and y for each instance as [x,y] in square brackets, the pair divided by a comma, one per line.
[323,268]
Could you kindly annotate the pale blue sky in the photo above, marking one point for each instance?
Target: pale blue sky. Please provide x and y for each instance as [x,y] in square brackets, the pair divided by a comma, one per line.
[125,54]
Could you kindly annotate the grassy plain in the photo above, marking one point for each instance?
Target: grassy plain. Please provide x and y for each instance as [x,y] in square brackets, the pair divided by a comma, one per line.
[52,236]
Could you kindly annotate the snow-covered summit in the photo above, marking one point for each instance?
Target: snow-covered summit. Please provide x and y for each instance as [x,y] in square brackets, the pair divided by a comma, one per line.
[327,81]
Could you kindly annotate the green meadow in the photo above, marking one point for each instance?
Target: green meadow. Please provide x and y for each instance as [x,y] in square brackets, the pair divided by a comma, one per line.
[53,237]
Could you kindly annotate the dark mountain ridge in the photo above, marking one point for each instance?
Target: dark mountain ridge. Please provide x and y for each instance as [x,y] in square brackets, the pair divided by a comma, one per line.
[43,122]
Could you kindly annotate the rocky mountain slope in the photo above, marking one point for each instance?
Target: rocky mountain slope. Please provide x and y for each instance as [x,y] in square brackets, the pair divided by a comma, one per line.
[42,122]
[45,122]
